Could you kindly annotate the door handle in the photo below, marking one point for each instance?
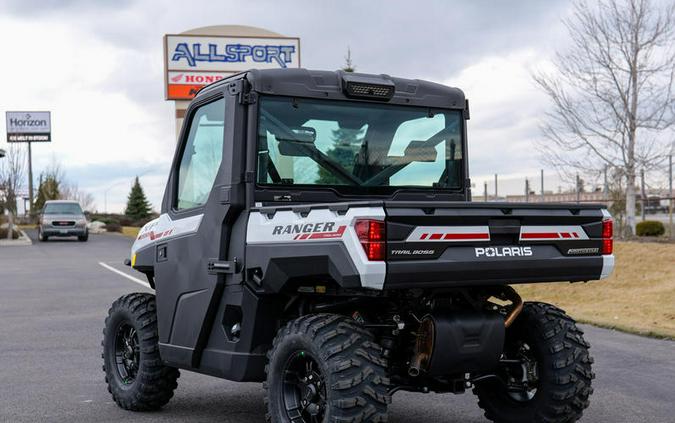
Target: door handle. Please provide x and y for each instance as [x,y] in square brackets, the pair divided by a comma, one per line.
[216,267]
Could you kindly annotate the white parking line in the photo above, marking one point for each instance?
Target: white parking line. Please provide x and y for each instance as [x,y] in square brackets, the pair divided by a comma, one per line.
[131,278]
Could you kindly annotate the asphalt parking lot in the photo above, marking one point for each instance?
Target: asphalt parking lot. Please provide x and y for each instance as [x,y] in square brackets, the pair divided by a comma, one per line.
[54,297]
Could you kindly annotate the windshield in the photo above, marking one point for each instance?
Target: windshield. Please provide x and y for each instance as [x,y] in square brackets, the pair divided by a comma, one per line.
[358,147]
[62,208]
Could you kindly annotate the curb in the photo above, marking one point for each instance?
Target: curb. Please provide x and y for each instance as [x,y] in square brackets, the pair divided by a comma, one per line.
[23,240]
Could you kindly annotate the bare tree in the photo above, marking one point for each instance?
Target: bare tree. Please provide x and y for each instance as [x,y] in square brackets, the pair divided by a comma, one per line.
[12,172]
[612,92]
[70,191]
[66,190]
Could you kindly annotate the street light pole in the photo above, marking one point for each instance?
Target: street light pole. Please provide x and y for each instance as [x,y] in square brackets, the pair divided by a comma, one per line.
[543,196]
[496,190]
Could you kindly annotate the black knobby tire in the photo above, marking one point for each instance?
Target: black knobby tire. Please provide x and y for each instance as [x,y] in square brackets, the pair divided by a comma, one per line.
[563,367]
[83,238]
[145,383]
[354,384]
[42,237]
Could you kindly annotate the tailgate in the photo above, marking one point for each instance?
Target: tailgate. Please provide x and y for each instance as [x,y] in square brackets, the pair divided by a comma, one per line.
[466,244]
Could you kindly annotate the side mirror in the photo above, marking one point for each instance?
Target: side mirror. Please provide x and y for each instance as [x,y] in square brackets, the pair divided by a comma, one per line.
[419,151]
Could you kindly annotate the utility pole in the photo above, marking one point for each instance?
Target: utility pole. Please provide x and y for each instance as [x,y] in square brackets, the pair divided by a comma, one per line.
[30,177]
[642,192]
[605,189]
[485,194]
[496,191]
[578,189]
[542,186]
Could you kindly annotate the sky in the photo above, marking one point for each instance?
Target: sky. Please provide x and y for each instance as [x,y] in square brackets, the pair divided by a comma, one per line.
[98,66]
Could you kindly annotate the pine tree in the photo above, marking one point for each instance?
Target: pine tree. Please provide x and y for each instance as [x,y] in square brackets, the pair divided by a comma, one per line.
[138,206]
[48,189]
[347,142]
[349,66]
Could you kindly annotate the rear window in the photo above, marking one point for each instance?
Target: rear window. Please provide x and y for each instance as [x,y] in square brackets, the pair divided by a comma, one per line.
[358,148]
[62,208]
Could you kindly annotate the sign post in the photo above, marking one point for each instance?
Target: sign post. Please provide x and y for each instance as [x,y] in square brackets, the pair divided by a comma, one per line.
[29,127]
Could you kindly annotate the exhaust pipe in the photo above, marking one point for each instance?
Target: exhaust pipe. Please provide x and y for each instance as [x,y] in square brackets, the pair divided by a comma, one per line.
[424,346]
[517,305]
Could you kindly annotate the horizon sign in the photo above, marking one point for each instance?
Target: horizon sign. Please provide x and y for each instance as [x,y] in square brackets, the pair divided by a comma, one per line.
[28,126]
[193,61]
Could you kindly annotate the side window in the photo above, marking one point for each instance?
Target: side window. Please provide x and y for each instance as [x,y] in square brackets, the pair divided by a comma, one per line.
[202,155]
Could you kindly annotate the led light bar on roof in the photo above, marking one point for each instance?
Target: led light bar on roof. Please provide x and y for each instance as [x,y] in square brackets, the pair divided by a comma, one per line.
[367,86]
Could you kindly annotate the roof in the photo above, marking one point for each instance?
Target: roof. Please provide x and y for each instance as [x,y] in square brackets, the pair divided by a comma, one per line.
[233,31]
[62,201]
[328,85]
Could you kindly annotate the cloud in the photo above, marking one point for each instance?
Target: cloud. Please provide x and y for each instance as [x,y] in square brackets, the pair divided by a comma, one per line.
[24,8]
[98,67]
[506,110]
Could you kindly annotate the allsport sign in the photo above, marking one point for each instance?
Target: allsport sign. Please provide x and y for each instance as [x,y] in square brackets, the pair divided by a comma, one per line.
[28,126]
[193,61]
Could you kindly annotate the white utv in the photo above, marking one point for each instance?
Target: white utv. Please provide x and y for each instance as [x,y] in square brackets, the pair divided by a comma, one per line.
[317,234]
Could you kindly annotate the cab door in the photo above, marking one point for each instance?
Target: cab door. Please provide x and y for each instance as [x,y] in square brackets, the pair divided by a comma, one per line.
[197,204]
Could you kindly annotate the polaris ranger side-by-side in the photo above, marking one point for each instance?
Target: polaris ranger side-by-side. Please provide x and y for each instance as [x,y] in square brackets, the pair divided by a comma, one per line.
[317,234]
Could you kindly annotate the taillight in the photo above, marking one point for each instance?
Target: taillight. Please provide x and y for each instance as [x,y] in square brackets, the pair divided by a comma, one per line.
[607,236]
[372,237]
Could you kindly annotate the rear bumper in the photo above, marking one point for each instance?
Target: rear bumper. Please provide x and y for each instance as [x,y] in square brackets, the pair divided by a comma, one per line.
[453,270]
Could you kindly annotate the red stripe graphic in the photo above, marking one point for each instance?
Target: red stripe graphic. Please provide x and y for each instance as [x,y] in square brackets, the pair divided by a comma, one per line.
[458,236]
[540,235]
[466,236]
[322,235]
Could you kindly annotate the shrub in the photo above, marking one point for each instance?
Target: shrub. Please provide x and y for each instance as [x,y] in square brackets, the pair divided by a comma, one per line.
[126,220]
[3,234]
[650,228]
[142,222]
[113,227]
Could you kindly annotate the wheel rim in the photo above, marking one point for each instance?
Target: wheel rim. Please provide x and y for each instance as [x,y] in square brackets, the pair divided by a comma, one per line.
[127,353]
[523,379]
[304,389]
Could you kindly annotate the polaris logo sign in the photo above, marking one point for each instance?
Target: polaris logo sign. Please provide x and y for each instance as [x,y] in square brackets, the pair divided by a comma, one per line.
[492,252]
[28,126]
